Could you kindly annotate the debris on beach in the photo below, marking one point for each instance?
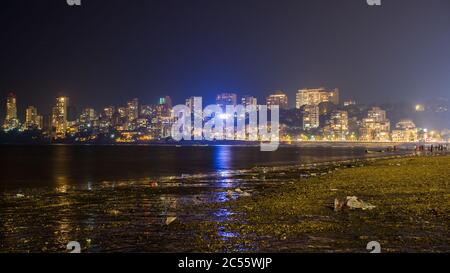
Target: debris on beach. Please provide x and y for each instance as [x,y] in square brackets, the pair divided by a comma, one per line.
[114,212]
[245,194]
[351,202]
[230,194]
[242,193]
[170,220]
[238,191]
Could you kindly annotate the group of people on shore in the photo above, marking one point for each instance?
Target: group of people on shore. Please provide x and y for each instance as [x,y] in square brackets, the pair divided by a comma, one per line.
[417,148]
[431,148]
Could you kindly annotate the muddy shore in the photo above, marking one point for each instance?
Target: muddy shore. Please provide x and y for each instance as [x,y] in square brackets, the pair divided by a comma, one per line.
[263,209]
[411,195]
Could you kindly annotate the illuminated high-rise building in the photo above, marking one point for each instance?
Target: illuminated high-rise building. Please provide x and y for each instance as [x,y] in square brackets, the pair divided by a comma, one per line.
[122,112]
[249,101]
[164,116]
[225,99]
[376,127]
[349,102]
[316,96]
[59,117]
[11,107]
[30,116]
[109,112]
[190,103]
[279,98]
[337,125]
[311,117]
[32,119]
[405,124]
[166,101]
[147,111]
[133,110]
[88,119]
[164,108]
[406,131]
[11,121]
[377,114]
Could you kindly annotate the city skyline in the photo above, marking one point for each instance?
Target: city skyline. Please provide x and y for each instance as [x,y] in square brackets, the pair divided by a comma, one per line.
[323,116]
[194,47]
[298,99]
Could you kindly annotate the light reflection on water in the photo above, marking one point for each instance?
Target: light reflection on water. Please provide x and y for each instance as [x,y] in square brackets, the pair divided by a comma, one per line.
[222,157]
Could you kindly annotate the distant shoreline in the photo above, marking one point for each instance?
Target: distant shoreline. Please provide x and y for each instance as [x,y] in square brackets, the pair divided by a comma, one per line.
[302,144]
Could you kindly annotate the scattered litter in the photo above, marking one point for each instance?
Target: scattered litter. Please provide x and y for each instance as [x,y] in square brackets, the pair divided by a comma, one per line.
[230,194]
[114,212]
[351,202]
[245,194]
[170,220]
[238,191]
[242,193]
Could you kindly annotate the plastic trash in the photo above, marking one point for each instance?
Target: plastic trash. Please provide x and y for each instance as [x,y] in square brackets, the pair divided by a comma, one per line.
[351,202]
[170,220]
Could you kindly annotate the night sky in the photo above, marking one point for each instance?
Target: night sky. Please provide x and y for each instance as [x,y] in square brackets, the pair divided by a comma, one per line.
[106,52]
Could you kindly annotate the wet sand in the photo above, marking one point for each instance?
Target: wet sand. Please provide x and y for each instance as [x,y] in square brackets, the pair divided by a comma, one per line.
[412,212]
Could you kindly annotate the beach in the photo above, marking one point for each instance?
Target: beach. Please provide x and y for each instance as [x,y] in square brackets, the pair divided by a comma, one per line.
[410,194]
[283,207]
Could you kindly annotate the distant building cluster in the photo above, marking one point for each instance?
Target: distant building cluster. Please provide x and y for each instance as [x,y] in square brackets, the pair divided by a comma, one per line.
[318,115]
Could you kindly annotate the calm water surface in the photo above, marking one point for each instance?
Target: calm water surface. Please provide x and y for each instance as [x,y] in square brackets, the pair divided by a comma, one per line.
[42,166]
